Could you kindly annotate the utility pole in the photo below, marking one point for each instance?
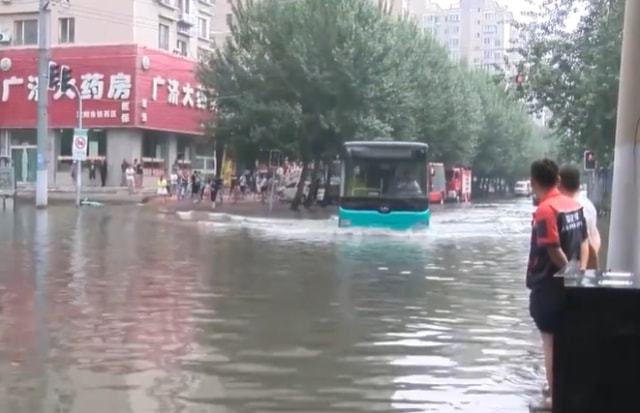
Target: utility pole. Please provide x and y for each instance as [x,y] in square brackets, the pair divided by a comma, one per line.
[624,238]
[43,100]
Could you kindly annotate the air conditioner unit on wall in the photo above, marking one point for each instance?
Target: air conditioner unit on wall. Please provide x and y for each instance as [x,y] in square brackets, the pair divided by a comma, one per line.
[5,37]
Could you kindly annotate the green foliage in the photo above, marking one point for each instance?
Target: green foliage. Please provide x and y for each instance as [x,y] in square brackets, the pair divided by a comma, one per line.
[304,76]
[576,73]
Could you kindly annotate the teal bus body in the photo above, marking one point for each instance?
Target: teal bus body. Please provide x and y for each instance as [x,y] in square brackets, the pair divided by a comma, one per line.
[400,221]
[384,185]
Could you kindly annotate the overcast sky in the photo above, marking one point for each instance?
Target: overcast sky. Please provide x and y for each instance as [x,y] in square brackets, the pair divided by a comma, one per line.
[516,6]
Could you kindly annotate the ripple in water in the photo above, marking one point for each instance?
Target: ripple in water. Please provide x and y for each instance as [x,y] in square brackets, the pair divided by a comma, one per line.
[255,315]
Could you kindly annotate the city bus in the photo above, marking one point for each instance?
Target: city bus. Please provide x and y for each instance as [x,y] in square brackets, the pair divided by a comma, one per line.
[384,185]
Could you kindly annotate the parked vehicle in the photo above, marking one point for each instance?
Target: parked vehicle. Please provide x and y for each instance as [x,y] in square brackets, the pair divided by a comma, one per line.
[437,183]
[523,188]
[459,182]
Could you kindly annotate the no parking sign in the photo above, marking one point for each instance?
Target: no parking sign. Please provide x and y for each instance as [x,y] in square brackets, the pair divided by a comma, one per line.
[80,144]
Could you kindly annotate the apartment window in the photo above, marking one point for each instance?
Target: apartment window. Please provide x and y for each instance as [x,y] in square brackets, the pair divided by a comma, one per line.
[487,54]
[488,16]
[26,32]
[497,55]
[229,19]
[490,29]
[454,18]
[163,36]
[181,47]
[67,30]
[498,43]
[454,42]
[203,27]
[487,41]
[185,6]
[478,35]
[456,29]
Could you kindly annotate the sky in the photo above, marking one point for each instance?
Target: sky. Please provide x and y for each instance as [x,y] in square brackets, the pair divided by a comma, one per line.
[517,7]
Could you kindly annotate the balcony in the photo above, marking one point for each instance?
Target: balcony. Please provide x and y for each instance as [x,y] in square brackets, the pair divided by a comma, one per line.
[187,19]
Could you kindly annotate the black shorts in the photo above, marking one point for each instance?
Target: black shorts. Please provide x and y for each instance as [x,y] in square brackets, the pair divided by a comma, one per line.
[546,305]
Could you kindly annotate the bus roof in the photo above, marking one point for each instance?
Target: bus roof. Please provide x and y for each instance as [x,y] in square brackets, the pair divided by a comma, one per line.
[401,144]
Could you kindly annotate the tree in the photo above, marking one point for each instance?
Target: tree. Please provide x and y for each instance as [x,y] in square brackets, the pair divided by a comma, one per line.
[305,76]
[575,74]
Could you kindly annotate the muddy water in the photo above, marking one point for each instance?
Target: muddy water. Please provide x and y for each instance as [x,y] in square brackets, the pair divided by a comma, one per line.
[121,310]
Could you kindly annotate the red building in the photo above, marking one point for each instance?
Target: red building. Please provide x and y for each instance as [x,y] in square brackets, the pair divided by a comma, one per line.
[139,103]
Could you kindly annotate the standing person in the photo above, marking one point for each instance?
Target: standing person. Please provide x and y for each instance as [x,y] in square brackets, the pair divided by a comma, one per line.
[195,186]
[103,172]
[558,244]
[162,190]
[139,172]
[92,170]
[123,167]
[74,172]
[219,186]
[243,184]
[131,179]
[570,186]
[184,184]
[173,179]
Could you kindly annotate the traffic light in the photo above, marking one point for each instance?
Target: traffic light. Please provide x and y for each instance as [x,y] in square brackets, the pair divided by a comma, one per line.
[65,78]
[54,75]
[520,78]
[590,162]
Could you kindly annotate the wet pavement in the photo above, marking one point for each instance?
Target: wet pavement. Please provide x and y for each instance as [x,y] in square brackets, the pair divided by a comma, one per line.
[121,309]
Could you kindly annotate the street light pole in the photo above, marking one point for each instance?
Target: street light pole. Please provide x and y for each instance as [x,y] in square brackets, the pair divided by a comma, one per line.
[79,165]
[624,237]
[43,100]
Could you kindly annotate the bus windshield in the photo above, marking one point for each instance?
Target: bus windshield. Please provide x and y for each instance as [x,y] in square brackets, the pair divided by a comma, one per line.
[374,178]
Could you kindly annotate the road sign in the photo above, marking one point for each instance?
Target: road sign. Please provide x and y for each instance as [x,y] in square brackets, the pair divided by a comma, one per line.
[80,144]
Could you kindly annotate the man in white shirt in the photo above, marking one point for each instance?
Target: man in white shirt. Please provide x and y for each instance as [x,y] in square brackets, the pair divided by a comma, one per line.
[570,186]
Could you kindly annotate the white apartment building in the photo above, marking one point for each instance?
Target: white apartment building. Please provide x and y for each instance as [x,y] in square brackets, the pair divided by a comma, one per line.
[186,27]
[480,33]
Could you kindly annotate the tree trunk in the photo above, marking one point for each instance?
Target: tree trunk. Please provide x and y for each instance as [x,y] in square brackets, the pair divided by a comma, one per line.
[327,187]
[314,186]
[297,200]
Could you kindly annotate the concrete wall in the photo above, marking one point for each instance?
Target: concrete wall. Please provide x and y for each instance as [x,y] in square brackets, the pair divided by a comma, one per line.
[121,144]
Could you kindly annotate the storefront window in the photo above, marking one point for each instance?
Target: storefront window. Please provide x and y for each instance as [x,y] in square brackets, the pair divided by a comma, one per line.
[97,143]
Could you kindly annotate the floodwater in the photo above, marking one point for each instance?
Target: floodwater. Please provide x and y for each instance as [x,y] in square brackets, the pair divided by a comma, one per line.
[118,309]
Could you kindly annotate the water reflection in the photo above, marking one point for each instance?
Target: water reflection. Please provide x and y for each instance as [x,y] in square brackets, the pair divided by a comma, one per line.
[117,309]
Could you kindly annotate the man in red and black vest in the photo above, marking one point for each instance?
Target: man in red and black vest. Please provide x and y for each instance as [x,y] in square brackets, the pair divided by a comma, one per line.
[558,245]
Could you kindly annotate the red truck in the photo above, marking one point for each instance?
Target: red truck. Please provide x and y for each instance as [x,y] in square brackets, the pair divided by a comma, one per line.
[459,182]
[437,183]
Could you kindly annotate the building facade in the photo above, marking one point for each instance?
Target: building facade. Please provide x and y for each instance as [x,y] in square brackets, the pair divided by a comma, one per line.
[134,63]
[479,33]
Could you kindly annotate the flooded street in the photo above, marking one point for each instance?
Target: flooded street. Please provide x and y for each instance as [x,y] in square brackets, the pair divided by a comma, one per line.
[118,309]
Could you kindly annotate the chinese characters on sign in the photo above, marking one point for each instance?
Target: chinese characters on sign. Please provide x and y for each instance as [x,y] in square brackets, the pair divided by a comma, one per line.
[92,87]
[187,95]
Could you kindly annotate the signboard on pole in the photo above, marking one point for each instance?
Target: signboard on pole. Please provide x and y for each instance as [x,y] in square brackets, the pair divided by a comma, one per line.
[80,144]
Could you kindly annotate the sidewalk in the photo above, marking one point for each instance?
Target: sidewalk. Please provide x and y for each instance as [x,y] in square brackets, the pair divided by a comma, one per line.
[108,195]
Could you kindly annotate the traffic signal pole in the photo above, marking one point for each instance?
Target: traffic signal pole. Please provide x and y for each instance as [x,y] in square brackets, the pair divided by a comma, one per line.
[43,98]
[624,252]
